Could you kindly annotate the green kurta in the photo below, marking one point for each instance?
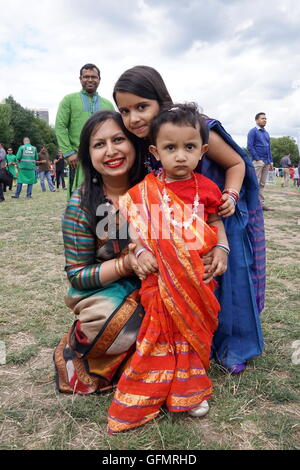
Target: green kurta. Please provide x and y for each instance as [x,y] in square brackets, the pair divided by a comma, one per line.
[10,158]
[27,156]
[73,112]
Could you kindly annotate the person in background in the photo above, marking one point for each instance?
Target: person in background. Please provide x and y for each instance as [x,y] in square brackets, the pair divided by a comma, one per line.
[45,169]
[258,144]
[73,111]
[285,164]
[11,161]
[53,173]
[296,176]
[27,157]
[2,156]
[2,165]
[59,170]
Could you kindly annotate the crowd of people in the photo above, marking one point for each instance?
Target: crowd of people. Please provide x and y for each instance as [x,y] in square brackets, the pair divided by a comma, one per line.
[164,245]
[27,167]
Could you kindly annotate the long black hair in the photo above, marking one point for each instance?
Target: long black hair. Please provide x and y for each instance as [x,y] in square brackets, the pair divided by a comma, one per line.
[92,188]
[143,81]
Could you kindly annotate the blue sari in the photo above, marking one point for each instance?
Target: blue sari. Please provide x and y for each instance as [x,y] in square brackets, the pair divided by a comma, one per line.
[241,290]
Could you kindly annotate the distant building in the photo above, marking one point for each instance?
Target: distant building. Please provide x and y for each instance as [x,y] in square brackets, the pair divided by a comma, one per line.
[42,113]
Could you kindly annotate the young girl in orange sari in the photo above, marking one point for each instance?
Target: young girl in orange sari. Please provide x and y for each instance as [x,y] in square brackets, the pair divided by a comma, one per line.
[171,218]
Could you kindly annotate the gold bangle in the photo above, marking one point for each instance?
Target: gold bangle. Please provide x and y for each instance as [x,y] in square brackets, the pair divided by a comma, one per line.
[117,267]
[128,270]
[121,267]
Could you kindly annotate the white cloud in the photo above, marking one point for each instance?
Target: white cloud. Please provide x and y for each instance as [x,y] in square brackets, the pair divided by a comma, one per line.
[233,58]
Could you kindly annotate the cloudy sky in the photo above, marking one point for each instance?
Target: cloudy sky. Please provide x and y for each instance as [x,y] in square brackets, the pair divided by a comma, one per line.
[233,57]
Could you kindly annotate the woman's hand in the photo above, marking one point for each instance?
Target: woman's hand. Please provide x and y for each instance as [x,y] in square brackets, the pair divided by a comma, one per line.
[73,160]
[227,208]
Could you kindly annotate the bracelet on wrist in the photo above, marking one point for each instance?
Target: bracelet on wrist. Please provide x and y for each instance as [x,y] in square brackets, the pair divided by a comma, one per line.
[117,268]
[231,190]
[223,247]
[232,193]
[232,199]
[140,251]
[120,267]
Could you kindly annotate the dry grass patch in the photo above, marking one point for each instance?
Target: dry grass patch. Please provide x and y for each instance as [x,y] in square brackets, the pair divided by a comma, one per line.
[256,410]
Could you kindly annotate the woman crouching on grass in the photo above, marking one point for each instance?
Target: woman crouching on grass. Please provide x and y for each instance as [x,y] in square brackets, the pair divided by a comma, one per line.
[99,261]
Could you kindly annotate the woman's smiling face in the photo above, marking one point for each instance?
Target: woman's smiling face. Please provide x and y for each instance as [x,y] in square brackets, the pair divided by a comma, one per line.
[137,112]
[112,153]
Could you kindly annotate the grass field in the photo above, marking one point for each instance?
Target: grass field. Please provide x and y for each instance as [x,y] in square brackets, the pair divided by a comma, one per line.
[258,409]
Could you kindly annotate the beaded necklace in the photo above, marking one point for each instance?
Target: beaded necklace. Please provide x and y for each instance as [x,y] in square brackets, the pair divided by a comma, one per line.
[186,223]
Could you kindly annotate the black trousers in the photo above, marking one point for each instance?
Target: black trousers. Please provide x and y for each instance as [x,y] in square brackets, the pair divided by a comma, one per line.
[71,177]
[1,192]
[60,177]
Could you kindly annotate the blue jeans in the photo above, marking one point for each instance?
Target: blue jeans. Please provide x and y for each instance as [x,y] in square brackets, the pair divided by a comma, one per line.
[46,174]
[19,189]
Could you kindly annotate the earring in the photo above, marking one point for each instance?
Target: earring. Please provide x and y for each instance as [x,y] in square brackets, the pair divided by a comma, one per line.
[95,180]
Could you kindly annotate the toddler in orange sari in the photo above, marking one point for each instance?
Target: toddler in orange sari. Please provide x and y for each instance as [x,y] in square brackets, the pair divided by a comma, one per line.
[174,222]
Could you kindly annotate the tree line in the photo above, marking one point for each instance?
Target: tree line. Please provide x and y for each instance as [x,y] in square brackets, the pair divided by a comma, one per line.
[281,146]
[17,122]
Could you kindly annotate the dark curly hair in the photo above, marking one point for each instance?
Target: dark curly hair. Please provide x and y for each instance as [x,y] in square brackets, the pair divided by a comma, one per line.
[180,115]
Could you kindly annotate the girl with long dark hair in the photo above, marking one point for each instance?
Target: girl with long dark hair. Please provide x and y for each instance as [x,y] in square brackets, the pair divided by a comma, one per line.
[139,94]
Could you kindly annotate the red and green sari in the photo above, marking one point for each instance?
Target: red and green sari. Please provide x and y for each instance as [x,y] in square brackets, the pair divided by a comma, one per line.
[174,342]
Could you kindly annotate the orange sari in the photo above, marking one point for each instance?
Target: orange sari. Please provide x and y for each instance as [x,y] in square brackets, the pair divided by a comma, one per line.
[173,346]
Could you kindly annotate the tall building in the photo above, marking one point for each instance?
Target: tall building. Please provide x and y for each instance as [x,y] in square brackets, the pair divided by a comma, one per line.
[42,113]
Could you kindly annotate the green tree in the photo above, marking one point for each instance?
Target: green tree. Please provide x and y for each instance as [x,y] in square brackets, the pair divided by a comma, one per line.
[46,136]
[281,146]
[24,124]
[6,129]
[21,122]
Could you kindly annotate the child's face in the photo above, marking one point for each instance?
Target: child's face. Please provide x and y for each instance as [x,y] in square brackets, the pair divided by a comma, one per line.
[179,149]
[137,112]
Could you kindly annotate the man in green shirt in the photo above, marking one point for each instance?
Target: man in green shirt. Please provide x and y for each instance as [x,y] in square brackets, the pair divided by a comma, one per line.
[26,157]
[74,110]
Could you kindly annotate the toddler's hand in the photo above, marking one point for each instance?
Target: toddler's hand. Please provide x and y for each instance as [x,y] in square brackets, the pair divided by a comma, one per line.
[147,263]
[131,261]
[218,265]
